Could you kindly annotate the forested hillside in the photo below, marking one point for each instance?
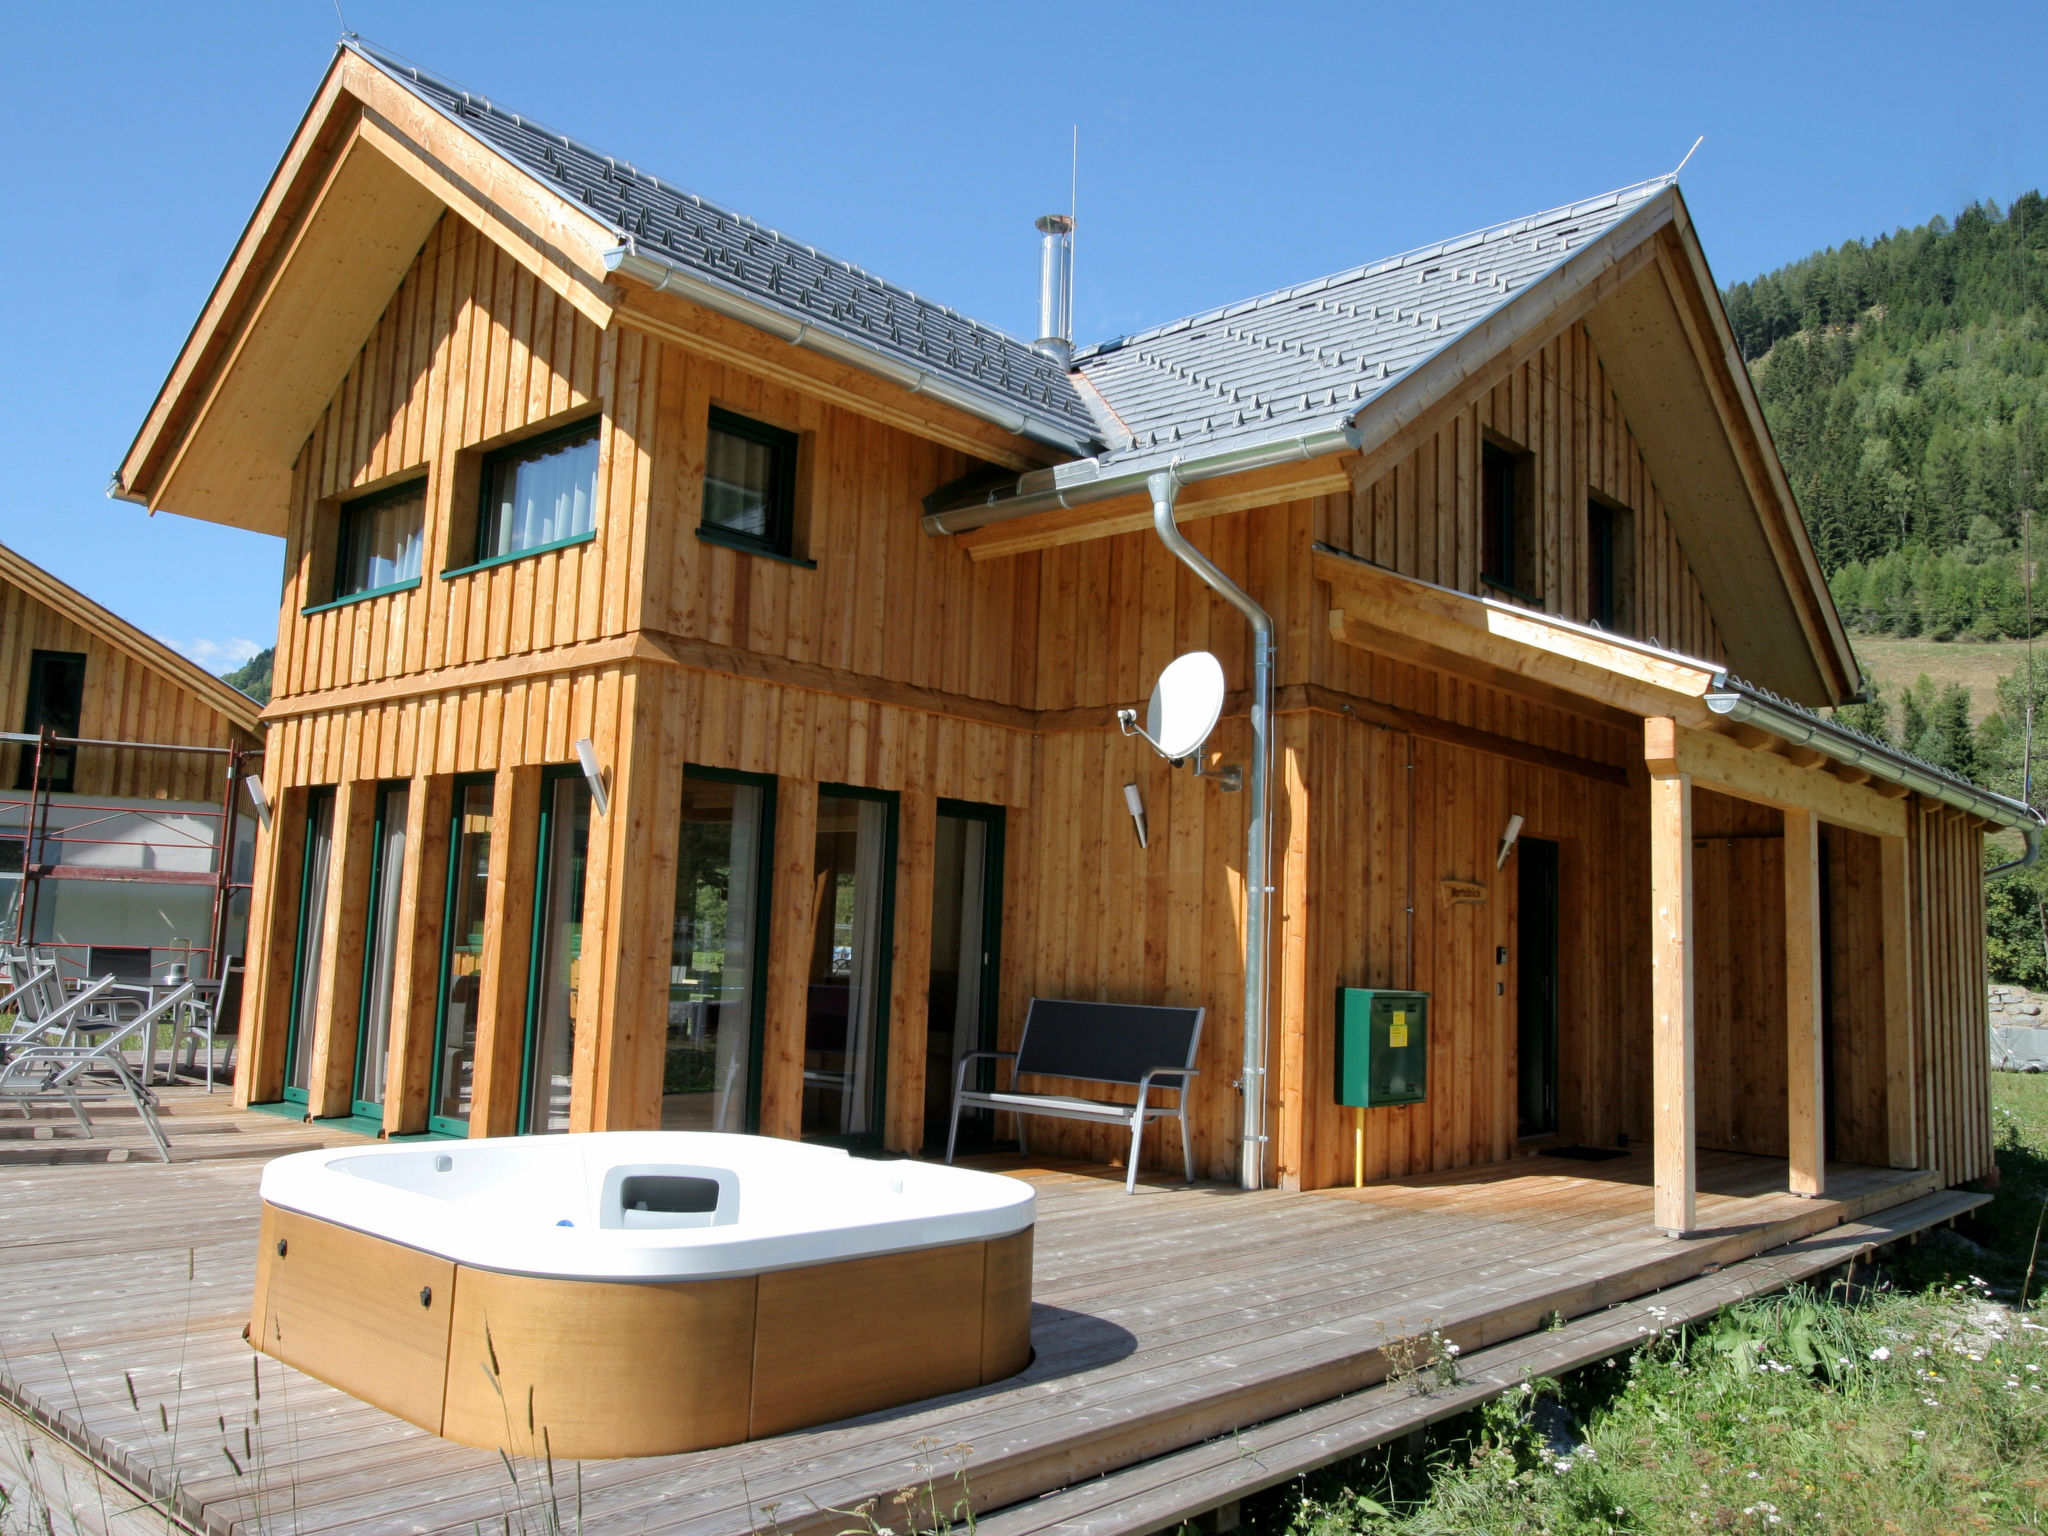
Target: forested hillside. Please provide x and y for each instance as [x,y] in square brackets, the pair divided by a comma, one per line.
[1906,381]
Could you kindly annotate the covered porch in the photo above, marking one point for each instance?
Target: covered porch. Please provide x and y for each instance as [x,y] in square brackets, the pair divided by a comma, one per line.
[1160,1323]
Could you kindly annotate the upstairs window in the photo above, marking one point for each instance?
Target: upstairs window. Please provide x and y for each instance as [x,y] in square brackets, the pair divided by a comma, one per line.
[1610,565]
[539,493]
[1507,543]
[749,485]
[377,546]
[56,702]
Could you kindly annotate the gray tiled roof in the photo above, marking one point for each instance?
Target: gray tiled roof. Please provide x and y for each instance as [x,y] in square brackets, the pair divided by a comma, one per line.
[1313,355]
[761,264]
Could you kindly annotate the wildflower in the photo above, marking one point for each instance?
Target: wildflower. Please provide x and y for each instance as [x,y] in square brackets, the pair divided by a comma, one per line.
[1918,1434]
[1881,1353]
[1930,1402]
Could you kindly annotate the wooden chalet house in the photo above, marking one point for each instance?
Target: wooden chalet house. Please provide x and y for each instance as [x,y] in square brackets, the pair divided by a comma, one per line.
[119,832]
[844,591]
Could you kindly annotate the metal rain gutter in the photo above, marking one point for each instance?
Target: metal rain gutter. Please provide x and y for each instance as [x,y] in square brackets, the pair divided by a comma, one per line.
[1070,485]
[1736,701]
[1164,485]
[666,278]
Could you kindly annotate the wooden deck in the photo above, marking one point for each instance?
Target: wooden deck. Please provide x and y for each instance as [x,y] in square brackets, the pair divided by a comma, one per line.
[1161,1320]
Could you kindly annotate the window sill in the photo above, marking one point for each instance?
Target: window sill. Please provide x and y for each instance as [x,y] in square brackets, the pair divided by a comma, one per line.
[746,546]
[360,597]
[520,554]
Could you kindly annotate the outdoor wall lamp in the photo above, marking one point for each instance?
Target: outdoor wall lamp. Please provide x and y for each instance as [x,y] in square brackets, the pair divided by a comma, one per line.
[1507,840]
[258,799]
[593,775]
[1137,805]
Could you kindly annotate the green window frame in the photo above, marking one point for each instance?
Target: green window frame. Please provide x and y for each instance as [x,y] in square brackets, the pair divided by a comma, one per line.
[353,527]
[451,1125]
[494,546]
[977,1126]
[551,781]
[878,1074]
[318,799]
[374,938]
[764,908]
[777,535]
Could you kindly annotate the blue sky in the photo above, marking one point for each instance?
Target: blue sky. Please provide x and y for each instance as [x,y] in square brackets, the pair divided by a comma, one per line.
[1225,150]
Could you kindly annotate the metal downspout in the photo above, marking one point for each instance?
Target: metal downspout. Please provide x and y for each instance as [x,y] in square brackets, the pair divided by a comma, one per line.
[2031,837]
[1165,486]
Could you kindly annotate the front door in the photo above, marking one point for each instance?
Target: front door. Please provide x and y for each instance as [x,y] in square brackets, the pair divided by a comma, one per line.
[967,891]
[1536,985]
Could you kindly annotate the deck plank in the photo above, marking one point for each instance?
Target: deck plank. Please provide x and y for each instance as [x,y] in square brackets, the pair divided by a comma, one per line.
[1159,1321]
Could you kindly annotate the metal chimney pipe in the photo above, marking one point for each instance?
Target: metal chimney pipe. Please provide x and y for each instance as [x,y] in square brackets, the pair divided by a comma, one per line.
[1056,290]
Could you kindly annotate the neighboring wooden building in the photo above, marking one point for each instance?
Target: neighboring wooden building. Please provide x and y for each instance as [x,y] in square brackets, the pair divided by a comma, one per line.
[123,836]
[562,454]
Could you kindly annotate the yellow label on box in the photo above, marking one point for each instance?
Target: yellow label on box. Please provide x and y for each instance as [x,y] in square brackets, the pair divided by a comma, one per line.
[1397,1034]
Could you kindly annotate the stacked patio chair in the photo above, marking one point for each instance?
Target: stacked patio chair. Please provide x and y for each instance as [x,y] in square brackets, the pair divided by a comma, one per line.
[46,1014]
[214,1014]
[76,1074]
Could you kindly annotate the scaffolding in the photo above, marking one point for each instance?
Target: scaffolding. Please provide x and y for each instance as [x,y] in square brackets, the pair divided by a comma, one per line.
[46,855]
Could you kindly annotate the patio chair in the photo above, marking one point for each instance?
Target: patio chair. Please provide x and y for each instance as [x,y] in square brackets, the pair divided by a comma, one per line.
[47,1015]
[54,1074]
[215,1013]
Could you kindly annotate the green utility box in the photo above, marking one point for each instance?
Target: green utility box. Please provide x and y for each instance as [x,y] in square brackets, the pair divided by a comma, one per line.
[1382,1047]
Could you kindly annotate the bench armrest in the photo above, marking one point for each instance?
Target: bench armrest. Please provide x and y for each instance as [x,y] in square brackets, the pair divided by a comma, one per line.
[1145,1082]
[960,1073]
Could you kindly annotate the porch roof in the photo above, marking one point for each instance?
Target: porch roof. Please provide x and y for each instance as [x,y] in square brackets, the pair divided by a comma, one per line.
[1710,709]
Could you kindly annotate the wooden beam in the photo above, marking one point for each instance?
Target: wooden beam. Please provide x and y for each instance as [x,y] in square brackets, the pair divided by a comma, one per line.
[910,970]
[499,1071]
[1271,487]
[416,957]
[1805,1096]
[1900,1071]
[1671,990]
[790,938]
[1715,762]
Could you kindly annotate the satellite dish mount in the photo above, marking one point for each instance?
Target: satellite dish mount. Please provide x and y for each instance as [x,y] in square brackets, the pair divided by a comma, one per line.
[1186,703]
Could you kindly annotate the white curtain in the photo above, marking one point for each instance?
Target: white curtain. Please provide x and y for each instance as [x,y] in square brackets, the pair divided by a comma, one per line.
[870,923]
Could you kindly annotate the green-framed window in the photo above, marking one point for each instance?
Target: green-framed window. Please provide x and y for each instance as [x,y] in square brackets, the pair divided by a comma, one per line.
[846,1017]
[471,824]
[380,951]
[56,702]
[539,494]
[378,539]
[967,954]
[718,952]
[316,864]
[554,976]
[749,485]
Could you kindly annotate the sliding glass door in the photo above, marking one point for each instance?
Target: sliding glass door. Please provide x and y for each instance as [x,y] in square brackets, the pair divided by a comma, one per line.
[718,953]
[554,979]
[847,1011]
[967,889]
[387,878]
[462,955]
[314,870]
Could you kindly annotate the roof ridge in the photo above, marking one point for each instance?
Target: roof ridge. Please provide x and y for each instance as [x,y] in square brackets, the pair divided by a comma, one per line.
[1449,246]
[399,65]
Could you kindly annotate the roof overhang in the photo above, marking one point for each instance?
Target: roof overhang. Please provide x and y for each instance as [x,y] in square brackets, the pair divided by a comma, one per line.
[1727,735]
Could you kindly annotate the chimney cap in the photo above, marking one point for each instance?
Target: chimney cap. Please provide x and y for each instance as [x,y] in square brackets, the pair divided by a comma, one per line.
[1055,224]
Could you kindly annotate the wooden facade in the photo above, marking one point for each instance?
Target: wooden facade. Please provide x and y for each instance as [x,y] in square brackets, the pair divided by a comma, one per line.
[1418,708]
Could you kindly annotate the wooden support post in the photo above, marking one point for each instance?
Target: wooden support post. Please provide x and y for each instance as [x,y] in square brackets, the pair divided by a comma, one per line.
[508,942]
[1901,1075]
[790,938]
[272,944]
[330,1085]
[910,972]
[416,955]
[1671,981]
[1805,1091]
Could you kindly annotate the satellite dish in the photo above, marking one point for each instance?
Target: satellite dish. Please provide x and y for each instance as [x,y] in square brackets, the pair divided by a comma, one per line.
[1186,703]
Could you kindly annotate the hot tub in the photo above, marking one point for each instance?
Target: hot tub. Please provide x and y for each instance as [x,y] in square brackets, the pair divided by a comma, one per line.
[631,1293]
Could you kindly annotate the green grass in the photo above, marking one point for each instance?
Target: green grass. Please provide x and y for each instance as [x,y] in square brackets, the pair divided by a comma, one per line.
[1978,665]
[1909,1401]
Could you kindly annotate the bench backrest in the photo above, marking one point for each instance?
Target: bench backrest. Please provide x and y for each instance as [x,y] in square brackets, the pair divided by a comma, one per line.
[1106,1042]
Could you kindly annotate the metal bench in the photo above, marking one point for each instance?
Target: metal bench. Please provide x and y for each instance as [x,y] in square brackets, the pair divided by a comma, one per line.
[1138,1046]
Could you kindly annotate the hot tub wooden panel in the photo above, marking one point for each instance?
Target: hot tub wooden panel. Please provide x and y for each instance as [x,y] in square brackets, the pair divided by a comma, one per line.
[615,1369]
[626,1368]
[348,1308]
[835,1340]
[1006,1306]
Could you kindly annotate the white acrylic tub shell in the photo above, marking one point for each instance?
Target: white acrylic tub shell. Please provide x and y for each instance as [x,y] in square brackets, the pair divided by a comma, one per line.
[550,1205]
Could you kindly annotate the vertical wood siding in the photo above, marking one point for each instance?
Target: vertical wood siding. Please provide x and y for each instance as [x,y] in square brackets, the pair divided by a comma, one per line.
[1953,1030]
[124,701]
